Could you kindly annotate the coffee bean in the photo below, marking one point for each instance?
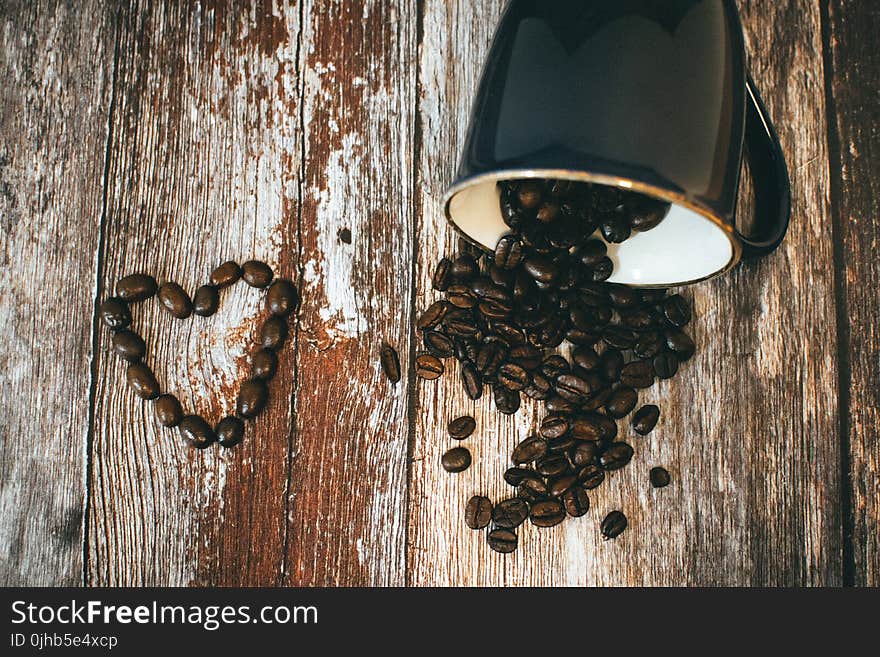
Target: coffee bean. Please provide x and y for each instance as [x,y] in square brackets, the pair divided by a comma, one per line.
[129,345]
[612,364]
[256,273]
[529,450]
[645,419]
[554,426]
[462,427]
[175,300]
[591,476]
[591,252]
[560,405]
[576,502]
[602,270]
[532,490]
[225,275]
[513,376]
[541,268]
[677,310]
[560,485]
[264,364]
[586,358]
[502,540]
[526,356]
[573,388]
[613,525]
[554,365]
[508,252]
[621,402]
[552,465]
[282,297]
[665,365]
[507,401]
[136,287]
[530,194]
[390,362]
[141,379]
[429,367]
[510,513]
[516,476]
[587,427]
[659,477]
[637,374]
[648,214]
[540,387]
[547,213]
[490,357]
[196,432]
[433,315]
[114,313]
[478,512]
[442,275]
[461,296]
[273,333]
[168,410]
[616,228]
[206,300]
[619,337]
[584,452]
[439,344]
[623,297]
[649,345]
[456,459]
[616,456]
[229,431]
[252,398]
[681,343]
[464,268]
[547,513]
[472,382]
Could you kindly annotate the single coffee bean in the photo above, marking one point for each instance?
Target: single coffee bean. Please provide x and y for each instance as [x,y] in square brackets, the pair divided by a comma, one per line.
[273,333]
[587,427]
[533,490]
[502,540]
[616,456]
[129,345]
[552,465]
[677,310]
[429,367]
[282,297]
[591,476]
[547,513]
[136,287]
[540,388]
[196,432]
[433,315]
[648,213]
[586,358]
[225,275]
[478,512]
[490,357]
[560,485]
[252,398]
[513,376]
[612,364]
[602,270]
[264,364]
[256,273]
[616,228]
[529,450]
[229,431]
[623,297]
[554,426]
[390,362]
[591,252]
[206,300]
[681,343]
[175,300]
[461,296]
[541,268]
[344,235]
[621,402]
[637,374]
[510,513]
[613,525]
[645,419]
[141,379]
[168,410]
[464,268]
[516,476]
[442,275]
[456,459]
[508,252]
[665,365]
[649,345]
[561,444]
[507,401]
[462,427]
[576,502]
[560,405]
[438,344]
[584,452]
[114,313]
[526,356]
[472,382]
[619,337]
[554,365]
[573,388]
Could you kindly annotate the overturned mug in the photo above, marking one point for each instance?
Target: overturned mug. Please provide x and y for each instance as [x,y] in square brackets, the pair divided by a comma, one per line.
[650,96]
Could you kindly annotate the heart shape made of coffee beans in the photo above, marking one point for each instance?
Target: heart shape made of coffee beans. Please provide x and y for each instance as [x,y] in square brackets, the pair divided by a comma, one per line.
[282,299]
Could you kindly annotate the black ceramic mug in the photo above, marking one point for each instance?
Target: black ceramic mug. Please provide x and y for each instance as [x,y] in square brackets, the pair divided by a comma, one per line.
[650,96]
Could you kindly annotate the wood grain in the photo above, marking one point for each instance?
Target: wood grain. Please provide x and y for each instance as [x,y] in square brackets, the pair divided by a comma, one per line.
[56,68]
[853,76]
[748,426]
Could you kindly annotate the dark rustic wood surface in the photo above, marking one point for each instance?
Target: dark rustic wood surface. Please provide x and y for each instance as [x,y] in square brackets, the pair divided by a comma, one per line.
[158,137]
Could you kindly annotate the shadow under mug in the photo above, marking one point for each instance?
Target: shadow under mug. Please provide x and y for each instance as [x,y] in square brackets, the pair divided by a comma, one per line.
[650,96]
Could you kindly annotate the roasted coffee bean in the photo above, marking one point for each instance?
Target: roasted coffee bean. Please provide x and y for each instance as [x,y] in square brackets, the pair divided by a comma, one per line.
[495,309]
[478,512]
[433,315]
[557,404]
[513,376]
[597,399]
[114,313]
[653,295]
[510,513]
[460,325]
[560,485]
[526,356]
[665,365]
[681,343]
[649,345]
[206,300]
[517,475]
[616,456]
[553,465]
[645,419]
[273,333]
[529,450]
[584,338]
[486,288]
[462,427]
[587,427]
[168,410]
[252,398]
[576,502]
[226,274]
[464,268]
[129,345]
[256,273]
[502,540]
[677,310]
[136,287]
[439,344]
[573,388]
[648,214]
[461,296]
[429,367]
[591,252]
[530,194]
[554,365]
[554,426]
[591,476]
[584,452]
[175,300]
[547,513]
[489,358]
[196,432]
[540,388]
[547,213]
[560,445]
[541,268]
[229,431]
[472,381]
[619,337]
[612,364]
[623,297]
[456,459]
[282,297]
[586,358]
[615,228]
[508,252]
[602,270]
[264,364]
[507,401]
[442,275]
[659,477]
[637,374]
[533,490]
[390,362]
[466,246]
[141,379]
[613,525]
[621,402]
[502,277]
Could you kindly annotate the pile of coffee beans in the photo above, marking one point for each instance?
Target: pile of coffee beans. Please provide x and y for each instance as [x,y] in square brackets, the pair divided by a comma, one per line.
[282,299]
[504,317]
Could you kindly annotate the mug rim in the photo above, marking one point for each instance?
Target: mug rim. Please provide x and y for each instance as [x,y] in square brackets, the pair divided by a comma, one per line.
[620,182]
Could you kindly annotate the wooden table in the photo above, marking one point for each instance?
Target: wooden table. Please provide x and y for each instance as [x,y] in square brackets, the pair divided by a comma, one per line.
[169,137]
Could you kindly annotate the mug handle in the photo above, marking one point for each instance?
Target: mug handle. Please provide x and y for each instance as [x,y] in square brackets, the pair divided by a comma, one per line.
[770,176]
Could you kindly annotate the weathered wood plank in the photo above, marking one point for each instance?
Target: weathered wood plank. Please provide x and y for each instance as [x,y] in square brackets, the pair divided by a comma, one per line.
[204,167]
[748,426]
[349,470]
[56,64]
[854,77]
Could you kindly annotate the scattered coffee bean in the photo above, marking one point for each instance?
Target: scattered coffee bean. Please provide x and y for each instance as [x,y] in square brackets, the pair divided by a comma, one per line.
[616,456]
[264,364]
[547,513]
[273,333]
[433,315]
[256,273]
[282,297]
[142,380]
[175,300]
[114,313]
[529,450]
[478,512]
[510,513]
[442,275]
[225,275]
[168,410]
[665,365]
[390,362]
[456,459]
[196,432]
[129,345]
[136,287]
[429,367]
[621,402]
[645,419]
[473,384]
[229,431]
[462,427]
[502,540]
[252,398]
[613,525]
[677,310]
[659,477]
[576,501]
[206,300]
